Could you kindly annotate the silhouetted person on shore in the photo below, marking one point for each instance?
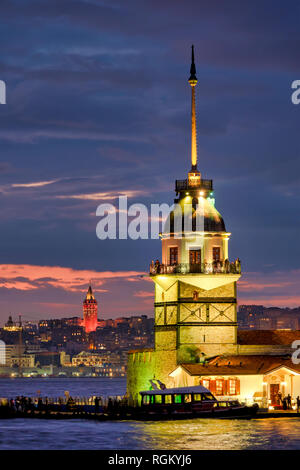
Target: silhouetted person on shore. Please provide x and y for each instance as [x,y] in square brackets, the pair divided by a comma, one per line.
[18,403]
[30,405]
[70,404]
[12,404]
[40,404]
[110,405]
[279,398]
[284,403]
[116,405]
[289,401]
[96,405]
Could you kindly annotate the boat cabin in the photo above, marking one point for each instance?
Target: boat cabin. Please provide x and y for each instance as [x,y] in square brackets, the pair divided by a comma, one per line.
[177,396]
[186,402]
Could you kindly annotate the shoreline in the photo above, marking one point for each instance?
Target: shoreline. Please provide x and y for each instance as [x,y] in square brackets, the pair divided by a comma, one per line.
[135,417]
[63,377]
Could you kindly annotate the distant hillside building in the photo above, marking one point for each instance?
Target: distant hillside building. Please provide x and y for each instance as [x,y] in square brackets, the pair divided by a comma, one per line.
[258,317]
[11,325]
[90,312]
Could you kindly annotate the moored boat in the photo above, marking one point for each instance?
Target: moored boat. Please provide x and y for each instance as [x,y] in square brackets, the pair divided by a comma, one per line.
[190,402]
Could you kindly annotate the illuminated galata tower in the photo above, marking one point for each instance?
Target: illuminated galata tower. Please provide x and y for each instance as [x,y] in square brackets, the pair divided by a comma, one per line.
[195,283]
[90,312]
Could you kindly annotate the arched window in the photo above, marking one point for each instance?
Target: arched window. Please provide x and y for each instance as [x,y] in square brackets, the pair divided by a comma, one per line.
[205,383]
[233,386]
[220,388]
[173,255]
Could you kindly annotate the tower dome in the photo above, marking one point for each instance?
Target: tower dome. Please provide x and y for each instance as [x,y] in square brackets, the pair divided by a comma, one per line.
[196,214]
[213,221]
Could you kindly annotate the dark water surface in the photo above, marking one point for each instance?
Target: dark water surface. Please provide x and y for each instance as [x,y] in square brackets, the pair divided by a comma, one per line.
[54,387]
[283,433]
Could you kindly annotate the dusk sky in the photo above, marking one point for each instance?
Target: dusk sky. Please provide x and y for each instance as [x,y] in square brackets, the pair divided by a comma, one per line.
[98,105]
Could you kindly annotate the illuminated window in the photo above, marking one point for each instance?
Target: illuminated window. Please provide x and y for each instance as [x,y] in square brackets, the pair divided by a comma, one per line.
[195,295]
[146,400]
[216,253]
[177,399]
[207,396]
[195,256]
[168,399]
[197,397]
[173,255]
[158,399]
[205,383]
[219,387]
[187,398]
[232,386]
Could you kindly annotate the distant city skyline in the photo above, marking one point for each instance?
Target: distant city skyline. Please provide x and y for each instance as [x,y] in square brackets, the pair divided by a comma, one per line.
[253,288]
[97,106]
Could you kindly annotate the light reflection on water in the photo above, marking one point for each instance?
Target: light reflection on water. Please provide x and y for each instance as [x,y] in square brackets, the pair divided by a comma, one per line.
[174,435]
[278,433]
[216,434]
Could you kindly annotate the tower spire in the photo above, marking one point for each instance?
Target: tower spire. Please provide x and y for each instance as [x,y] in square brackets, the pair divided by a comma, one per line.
[193,68]
[193,82]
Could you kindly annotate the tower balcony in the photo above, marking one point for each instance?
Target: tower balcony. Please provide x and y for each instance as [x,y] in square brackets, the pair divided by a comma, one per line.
[216,267]
[184,185]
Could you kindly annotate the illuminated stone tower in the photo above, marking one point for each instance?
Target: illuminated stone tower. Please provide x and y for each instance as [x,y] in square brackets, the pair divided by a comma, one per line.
[90,312]
[195,283]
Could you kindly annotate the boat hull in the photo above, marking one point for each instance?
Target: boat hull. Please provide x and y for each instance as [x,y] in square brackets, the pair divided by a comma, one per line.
[243,412]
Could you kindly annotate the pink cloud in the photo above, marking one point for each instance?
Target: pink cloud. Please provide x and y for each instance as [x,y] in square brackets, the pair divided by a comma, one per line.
[17,285]
[278,288]
[144,294]
[43,291]
[30,277]
[103,196]
[37,184]
[245,285]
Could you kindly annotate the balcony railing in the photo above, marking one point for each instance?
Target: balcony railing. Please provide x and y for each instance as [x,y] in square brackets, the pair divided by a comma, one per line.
[182,185]
[216,267]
